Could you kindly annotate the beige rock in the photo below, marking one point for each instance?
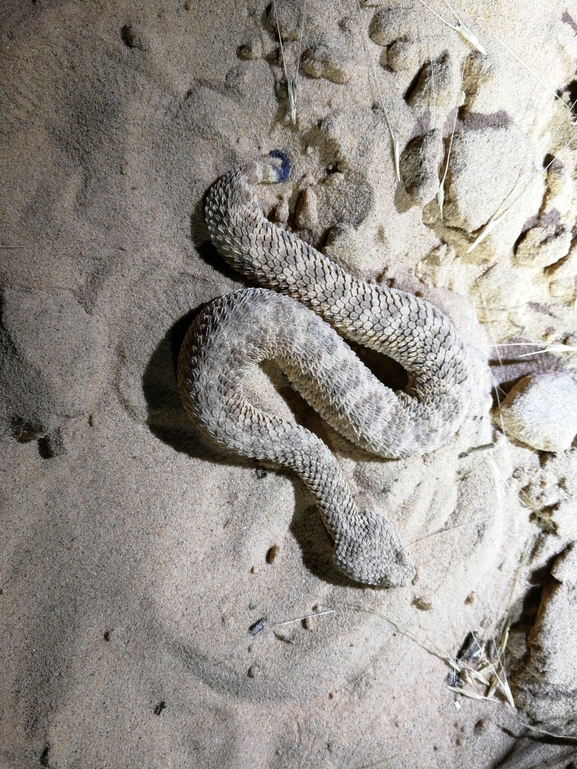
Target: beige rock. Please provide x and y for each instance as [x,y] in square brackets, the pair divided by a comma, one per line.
[489,162]
[329,62]
[561,193]
[551,673]
[544,245]
[561,276]
[419,166]
[541,411]
[438,85]
[403,55]
[306,214]
[390,24]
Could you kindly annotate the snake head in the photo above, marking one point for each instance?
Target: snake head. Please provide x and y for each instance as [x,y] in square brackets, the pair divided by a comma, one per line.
[371,552]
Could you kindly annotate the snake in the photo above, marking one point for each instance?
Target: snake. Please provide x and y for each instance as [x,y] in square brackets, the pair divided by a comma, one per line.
[298,316]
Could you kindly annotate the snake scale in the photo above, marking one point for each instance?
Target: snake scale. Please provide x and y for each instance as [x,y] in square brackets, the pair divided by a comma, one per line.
[299,325]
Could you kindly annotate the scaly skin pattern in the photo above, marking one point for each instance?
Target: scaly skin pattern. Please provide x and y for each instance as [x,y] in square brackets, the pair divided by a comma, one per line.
[298,328]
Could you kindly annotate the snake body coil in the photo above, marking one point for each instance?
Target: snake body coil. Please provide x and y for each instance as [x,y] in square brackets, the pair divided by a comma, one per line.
[298,328]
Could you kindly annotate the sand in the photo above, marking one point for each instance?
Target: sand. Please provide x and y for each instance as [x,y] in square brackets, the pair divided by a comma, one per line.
[166,605]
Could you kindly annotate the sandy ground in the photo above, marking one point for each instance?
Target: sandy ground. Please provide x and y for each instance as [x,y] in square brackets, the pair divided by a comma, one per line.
[144,621]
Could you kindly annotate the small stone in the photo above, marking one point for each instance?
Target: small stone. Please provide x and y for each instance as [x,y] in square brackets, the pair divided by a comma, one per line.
[306,214]
[419,164]
[562,279]
[258,626]
[422,603]
[544,245]
[253,49]
[438,85]
[327,62]
[388,25]
[553,640]
[560,193]
[286,17]
[541,411]
[403,55]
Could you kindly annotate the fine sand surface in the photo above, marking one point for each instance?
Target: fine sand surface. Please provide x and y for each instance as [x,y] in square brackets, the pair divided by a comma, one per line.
[156,594]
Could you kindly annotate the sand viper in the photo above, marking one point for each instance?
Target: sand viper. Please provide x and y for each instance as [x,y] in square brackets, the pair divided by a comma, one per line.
[300,329]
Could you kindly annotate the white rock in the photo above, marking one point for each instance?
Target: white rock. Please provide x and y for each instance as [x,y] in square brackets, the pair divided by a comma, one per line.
[541,411]
[553,641]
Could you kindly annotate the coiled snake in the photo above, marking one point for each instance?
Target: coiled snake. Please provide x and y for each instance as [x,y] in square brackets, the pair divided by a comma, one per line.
[298,328]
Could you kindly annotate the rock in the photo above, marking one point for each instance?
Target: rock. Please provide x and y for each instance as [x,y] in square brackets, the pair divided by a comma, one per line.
[562,277]
[403,54]
[438,85]
[551,673]
[288,16]
[306,214]
[252,49]
[419,166]
[328,62]
[541,411]
[544,245]
[390,24]
[560,193]
[480,79]
[491,160]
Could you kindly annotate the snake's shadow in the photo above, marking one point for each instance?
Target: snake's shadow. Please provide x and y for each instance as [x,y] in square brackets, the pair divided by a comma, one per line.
[168,421]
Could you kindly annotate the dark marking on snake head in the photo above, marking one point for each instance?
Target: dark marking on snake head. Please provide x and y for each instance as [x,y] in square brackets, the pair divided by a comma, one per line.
[284,170]
[159,708]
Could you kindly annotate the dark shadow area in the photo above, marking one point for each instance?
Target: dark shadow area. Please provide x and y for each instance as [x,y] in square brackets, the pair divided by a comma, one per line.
[167,418]
[534,752]
[412,87]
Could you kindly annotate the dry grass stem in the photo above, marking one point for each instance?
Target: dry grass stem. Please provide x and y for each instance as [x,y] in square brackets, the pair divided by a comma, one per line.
[305,616]
[291,82]
[463,30]
[550,734]
[484,667]
[531,71]
[395,149]
[441,191]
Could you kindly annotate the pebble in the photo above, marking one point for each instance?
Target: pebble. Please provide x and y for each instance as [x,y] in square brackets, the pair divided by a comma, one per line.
[541,411]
